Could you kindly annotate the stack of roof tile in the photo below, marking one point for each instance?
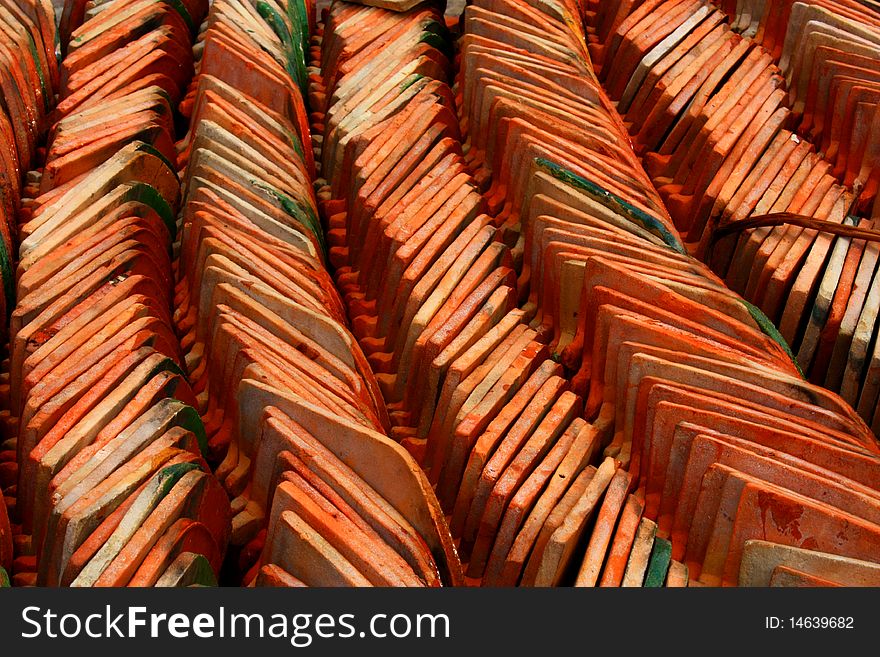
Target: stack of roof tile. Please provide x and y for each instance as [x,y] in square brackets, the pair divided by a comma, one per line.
[419,263]
[708,107]
[321,497]
[112,485]
[28,83]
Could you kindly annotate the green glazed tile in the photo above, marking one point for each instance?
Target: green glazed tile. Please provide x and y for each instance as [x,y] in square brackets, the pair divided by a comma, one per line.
[658,565]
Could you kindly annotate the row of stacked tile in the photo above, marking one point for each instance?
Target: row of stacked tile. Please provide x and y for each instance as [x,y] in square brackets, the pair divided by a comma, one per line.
[294,417]
[761,129]
[112,484]
[28,83]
